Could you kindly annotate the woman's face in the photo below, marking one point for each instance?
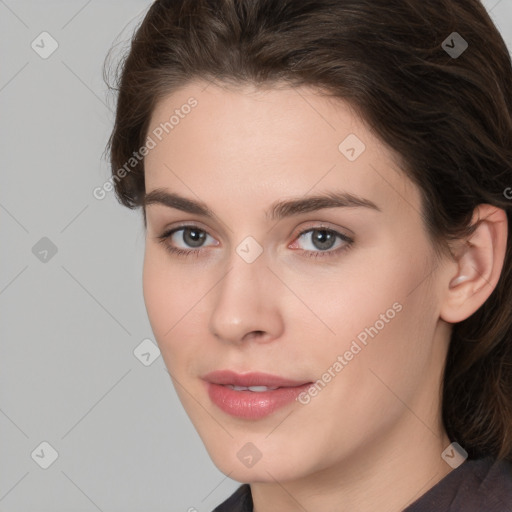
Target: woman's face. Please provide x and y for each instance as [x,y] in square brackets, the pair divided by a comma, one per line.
[345,295]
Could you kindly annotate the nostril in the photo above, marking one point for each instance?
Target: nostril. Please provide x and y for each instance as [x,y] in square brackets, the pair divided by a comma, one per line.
[254,334]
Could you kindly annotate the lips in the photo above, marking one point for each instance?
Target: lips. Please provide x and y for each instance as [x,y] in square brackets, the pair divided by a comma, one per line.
[228,377]
[251,396]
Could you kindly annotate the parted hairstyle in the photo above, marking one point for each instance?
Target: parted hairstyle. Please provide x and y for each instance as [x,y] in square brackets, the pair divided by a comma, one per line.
[448,117]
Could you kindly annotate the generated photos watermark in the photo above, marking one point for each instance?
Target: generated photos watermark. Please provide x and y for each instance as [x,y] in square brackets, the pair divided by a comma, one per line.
[356,347]
[152,141]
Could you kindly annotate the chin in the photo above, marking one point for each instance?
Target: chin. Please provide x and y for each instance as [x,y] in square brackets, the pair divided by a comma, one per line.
[259,473]
[242,461]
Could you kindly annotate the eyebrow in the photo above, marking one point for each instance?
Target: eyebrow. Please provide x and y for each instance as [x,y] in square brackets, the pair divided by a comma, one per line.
[279,210]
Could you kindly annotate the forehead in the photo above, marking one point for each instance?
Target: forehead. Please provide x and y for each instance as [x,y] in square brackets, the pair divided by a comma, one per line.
[250,142]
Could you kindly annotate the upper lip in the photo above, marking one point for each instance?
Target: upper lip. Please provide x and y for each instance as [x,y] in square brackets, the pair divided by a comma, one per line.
[250,379]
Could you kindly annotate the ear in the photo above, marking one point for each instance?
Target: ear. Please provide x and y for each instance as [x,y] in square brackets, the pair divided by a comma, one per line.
[478,265]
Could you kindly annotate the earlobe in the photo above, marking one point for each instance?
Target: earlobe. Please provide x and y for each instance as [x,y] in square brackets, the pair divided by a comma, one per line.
[478,266]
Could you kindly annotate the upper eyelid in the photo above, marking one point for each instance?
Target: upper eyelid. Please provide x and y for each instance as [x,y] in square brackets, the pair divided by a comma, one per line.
[302,231]
[296,217]
[166,232]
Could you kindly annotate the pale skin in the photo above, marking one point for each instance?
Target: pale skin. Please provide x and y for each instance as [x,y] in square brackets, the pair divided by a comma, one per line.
[372,438]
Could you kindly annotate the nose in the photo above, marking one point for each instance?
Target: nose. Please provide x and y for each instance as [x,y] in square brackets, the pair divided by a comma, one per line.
[246,303]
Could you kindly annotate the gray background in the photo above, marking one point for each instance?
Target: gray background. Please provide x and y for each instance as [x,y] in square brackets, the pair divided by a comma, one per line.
[71,320]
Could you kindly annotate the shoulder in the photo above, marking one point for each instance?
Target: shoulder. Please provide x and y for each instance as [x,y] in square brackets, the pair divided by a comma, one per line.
[478,485]
[239,501]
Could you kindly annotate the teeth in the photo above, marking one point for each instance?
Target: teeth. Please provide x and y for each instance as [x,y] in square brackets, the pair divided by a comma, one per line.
[250,388]
[260,388]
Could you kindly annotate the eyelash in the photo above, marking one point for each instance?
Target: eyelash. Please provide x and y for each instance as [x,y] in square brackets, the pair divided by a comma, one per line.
[310,254]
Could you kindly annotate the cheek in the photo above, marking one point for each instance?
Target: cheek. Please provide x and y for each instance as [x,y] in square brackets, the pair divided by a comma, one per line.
[348,298]
[165,295]
[173,304]
[386,347]
[379,311]
[156,299]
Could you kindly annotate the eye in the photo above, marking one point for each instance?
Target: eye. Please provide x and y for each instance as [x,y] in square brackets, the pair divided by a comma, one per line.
[188,236]
[319,241]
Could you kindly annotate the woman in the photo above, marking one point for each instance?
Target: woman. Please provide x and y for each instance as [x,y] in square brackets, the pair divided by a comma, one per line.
[326,194]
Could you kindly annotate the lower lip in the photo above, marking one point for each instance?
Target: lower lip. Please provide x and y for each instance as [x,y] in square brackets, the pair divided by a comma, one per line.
[252,404]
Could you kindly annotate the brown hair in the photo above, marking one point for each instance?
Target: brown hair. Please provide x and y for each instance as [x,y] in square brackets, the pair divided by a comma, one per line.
[448,117]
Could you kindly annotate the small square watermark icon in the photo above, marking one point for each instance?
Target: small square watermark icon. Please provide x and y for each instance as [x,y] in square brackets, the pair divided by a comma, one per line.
[249,249]
[44,45]
[44,455]
[44,250]
[454,455]
[146,352]
[352,147]
[249,455]
[454,45]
